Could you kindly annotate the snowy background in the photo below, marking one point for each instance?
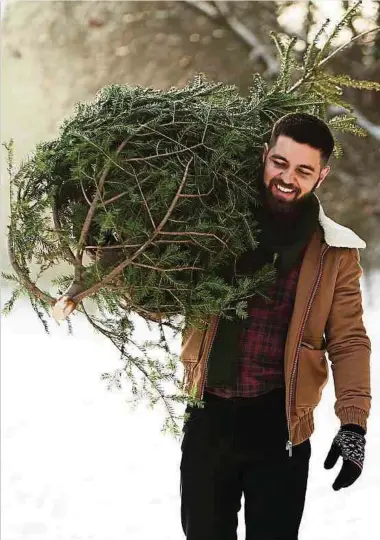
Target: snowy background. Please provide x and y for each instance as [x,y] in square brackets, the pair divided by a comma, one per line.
[79,464]
[76,462]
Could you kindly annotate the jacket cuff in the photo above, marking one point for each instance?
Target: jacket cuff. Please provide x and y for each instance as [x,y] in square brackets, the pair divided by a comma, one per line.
[353,415]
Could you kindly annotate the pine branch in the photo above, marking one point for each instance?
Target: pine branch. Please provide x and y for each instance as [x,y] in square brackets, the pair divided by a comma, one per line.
[308,75]
[175,269]
[57,228]
[137,364]
[346,80]
[158,230]
[92,209]
[352,40]
[370,127]
[347,17]
[351,25]
[22,274]
[373,129]
[25,280]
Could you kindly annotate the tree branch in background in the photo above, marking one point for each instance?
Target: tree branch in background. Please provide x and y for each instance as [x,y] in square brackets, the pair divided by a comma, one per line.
[346,6]
[309,73]
[220,11]
[309,19]
[204,7]
[373,129]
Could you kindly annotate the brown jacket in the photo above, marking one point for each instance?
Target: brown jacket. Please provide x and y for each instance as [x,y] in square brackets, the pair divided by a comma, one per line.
[327,317]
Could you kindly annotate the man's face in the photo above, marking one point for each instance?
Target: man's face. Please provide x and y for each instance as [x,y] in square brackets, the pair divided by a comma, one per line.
[292,171]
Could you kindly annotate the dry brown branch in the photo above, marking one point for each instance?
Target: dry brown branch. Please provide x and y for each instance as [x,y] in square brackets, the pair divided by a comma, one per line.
[202,247]
[84,193]
[92,209]
[194,233]
[115,198]
[176,269]
[145,201]
[120,267]
[121,246]
[174,242]
[192,196]
[165,154]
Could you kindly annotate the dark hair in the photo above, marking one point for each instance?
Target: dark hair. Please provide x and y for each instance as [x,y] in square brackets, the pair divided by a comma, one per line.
[305,129]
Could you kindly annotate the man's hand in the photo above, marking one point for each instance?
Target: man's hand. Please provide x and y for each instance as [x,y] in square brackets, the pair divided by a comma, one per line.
[63,307]
[348,443]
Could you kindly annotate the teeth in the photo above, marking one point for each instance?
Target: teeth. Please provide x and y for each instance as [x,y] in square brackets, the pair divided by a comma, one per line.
[284,190]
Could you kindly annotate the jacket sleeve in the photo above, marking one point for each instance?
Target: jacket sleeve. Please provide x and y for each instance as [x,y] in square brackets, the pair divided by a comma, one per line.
[348,345]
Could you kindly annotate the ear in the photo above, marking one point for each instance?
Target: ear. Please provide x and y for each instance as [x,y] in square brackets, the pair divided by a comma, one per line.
[324,172]
[265,152]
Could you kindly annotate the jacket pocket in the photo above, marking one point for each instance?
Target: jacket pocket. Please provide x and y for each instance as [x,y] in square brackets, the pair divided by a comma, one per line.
[192,345]
[312,376]
[188,373]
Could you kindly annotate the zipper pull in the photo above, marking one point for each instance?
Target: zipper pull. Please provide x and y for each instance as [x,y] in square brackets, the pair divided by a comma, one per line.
[289,446]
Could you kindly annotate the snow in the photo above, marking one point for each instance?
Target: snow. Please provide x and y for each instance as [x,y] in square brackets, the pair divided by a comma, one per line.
[79,464]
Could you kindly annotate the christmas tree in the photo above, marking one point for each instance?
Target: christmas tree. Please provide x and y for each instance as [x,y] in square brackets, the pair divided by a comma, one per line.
[159,189]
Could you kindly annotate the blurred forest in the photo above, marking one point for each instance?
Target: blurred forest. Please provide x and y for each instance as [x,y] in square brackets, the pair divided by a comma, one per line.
[55,54]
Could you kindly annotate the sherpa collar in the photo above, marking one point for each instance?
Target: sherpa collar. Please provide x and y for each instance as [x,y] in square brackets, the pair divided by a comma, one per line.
[336,235]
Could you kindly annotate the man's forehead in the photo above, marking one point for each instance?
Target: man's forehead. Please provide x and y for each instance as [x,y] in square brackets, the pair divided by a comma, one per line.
[293,151]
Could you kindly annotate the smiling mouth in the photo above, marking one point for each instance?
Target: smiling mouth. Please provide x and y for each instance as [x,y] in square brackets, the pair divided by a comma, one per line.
[285,193]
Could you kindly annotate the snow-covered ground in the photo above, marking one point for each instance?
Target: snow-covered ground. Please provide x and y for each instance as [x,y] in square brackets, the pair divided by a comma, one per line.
[78,463]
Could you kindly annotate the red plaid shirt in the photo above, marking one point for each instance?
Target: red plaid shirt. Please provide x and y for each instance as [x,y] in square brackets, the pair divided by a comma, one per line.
[262,340]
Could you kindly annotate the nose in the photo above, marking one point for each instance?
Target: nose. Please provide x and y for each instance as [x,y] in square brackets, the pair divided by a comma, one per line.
[287,177]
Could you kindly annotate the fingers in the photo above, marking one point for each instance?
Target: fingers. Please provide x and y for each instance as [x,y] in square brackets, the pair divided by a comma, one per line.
[62,308]
[348,474]
[332,456]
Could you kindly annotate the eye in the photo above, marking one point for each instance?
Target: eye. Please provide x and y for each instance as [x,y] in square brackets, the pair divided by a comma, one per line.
[278,163]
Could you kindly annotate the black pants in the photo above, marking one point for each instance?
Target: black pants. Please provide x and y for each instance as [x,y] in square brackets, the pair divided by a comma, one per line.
[235,447]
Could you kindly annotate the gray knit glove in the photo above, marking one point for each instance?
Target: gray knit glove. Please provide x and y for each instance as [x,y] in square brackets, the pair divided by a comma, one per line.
[348,443]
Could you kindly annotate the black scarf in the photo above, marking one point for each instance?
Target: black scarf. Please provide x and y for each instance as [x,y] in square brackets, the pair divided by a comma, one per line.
[286,236]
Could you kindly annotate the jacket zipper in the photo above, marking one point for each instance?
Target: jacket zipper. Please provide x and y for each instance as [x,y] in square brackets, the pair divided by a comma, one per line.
[289,444]
[209,351]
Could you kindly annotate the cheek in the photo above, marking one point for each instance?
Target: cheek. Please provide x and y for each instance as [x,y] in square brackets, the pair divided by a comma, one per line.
[269,173]
[305,188]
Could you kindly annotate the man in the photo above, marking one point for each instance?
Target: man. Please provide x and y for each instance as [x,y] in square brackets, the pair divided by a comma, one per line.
[261,377]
